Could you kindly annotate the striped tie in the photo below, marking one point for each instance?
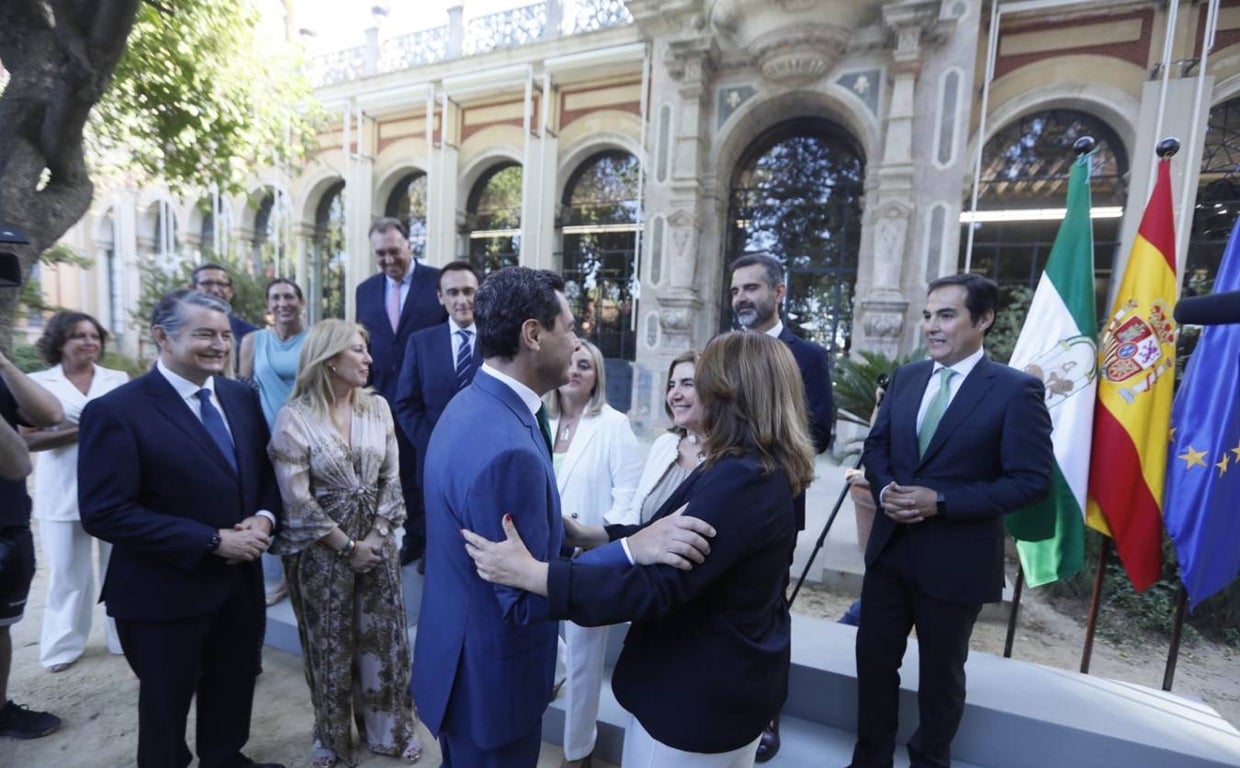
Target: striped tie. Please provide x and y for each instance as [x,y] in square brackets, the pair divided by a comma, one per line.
[935,411]
[464,360]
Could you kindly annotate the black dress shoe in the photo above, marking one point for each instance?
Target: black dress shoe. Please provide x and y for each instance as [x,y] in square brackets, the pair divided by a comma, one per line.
[768,745]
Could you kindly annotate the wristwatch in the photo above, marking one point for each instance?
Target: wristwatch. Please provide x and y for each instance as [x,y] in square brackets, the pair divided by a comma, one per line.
[214,543]
[940,503]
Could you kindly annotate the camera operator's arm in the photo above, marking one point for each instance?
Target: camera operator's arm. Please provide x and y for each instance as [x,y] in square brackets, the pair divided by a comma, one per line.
[14,457]
[38,407]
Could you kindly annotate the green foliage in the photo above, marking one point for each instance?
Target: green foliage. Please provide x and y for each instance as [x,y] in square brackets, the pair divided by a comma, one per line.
[854,381]
[1014,304]
[203,94]
[32,300]
[249,301]
[26,358]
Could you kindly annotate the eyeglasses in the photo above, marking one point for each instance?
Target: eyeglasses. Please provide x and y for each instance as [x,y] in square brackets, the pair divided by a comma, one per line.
[214,284]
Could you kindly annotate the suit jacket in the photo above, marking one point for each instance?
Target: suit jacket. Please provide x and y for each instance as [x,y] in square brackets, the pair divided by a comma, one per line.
[705,663]
[422,310]
[484,662]
[153,483]
[990,455]
[600,471]
[427,382]
[816,376]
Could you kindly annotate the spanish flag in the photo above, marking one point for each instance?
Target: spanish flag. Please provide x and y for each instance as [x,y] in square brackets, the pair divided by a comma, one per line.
[1136,372]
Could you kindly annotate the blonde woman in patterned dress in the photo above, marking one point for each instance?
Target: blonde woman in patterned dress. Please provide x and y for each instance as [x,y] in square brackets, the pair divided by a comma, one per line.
[335,456]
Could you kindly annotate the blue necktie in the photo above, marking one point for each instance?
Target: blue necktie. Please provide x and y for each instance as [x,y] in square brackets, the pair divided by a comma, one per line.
[464,360]
[216,428]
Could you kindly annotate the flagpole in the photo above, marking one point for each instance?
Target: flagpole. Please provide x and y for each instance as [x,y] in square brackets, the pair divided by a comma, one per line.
[1011,628]
[1177,631]
[1103,553]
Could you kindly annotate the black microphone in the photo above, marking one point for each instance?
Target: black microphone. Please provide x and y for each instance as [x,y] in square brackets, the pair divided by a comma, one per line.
[1211,309]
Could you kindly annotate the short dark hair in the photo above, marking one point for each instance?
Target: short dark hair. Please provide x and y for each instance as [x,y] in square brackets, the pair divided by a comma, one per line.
[283,281]
[193,276]
[506,300]
[981,293]
[460,265]
[51,344]
[772,266]
[386,223]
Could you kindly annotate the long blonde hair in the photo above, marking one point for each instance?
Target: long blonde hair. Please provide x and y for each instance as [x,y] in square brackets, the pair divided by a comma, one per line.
[753,401]
[325,340]
[598,398]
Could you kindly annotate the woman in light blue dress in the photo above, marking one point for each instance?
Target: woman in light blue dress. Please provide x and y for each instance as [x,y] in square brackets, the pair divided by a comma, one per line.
[268,357]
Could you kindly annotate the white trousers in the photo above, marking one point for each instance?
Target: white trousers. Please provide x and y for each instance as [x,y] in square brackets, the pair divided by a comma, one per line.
[71,593]
[585,652]
[642,751]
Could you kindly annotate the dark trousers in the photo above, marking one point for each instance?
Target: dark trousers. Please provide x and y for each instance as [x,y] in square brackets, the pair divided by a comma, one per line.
[894,605]
[411,492]
[459,752]
[211,656]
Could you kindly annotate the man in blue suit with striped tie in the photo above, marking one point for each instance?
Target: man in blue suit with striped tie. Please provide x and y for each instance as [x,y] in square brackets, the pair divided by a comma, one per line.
[439,362]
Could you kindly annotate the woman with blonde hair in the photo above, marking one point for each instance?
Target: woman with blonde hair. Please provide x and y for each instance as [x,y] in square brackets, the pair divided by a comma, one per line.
[335,457]
[705,664]
[597,464]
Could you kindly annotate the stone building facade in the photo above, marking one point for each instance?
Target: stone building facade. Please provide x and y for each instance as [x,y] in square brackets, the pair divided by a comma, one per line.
[639,146]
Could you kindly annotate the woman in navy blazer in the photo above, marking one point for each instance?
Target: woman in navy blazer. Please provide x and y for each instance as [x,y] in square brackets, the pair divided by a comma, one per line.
[705,664]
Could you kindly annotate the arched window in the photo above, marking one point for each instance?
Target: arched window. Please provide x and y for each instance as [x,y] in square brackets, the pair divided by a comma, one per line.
[408,203]
[1025,168]
[327,257]
[114,275]
[269,249]
[1218,199]
[599,225]
[165,232]
[213,234]
[493,218]
[796,194]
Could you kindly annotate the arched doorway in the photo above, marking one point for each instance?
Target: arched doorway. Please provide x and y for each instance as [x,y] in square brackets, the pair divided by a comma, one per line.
[1025,168]
[599,226]
[797,194]
[407,202]
[327,257]
[493,218]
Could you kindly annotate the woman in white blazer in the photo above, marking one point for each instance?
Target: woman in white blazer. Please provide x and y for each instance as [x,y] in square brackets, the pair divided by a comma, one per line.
[72,344]
[677,453]
[597,464]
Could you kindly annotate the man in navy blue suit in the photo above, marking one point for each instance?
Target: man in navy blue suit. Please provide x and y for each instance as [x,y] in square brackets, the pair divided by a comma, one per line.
[758,291]
[439,362]
[173,471]
[485,655]
[959,442]
[393,304]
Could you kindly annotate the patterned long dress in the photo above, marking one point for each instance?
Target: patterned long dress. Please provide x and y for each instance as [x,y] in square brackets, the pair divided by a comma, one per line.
[352,625]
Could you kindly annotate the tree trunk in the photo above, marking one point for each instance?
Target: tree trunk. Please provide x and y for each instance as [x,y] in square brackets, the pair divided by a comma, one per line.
[60,56]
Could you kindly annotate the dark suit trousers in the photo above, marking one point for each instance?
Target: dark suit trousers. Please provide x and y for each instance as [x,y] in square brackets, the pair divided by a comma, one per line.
[211,655]
[411,492]
[892,605]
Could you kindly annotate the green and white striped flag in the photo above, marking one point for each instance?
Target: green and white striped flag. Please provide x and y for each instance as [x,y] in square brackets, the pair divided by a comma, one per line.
[1059,345]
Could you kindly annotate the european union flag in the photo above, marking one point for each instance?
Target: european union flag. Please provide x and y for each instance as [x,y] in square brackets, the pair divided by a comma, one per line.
[1200,507]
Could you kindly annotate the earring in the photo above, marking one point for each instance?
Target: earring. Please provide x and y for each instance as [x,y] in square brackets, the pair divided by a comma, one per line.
[331,367]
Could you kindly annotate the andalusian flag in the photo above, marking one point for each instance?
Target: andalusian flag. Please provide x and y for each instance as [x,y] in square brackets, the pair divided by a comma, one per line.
[1059,344]
[1136,367]
[1203,470]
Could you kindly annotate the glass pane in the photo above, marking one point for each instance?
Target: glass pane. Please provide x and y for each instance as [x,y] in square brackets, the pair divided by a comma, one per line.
[494,216]
[408,203]
[327,257]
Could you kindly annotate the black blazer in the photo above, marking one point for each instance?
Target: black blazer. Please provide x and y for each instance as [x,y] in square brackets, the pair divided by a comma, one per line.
[705,664]
[152,482]
[816,376]
[427,383]
[992,454]
[422,310]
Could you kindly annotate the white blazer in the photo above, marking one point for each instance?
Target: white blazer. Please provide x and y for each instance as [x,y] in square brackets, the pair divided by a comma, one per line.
[604,455]
[663,453]
[55,479]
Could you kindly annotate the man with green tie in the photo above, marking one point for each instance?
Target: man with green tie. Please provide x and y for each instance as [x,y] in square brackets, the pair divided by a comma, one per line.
[959,441]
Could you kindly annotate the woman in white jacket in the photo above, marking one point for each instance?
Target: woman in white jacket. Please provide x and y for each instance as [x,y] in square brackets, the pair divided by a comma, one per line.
[677,453]
[597,464]
[72,344]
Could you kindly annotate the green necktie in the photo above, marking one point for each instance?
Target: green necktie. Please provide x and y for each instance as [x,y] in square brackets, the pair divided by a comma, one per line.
[544,424]
[934,414]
